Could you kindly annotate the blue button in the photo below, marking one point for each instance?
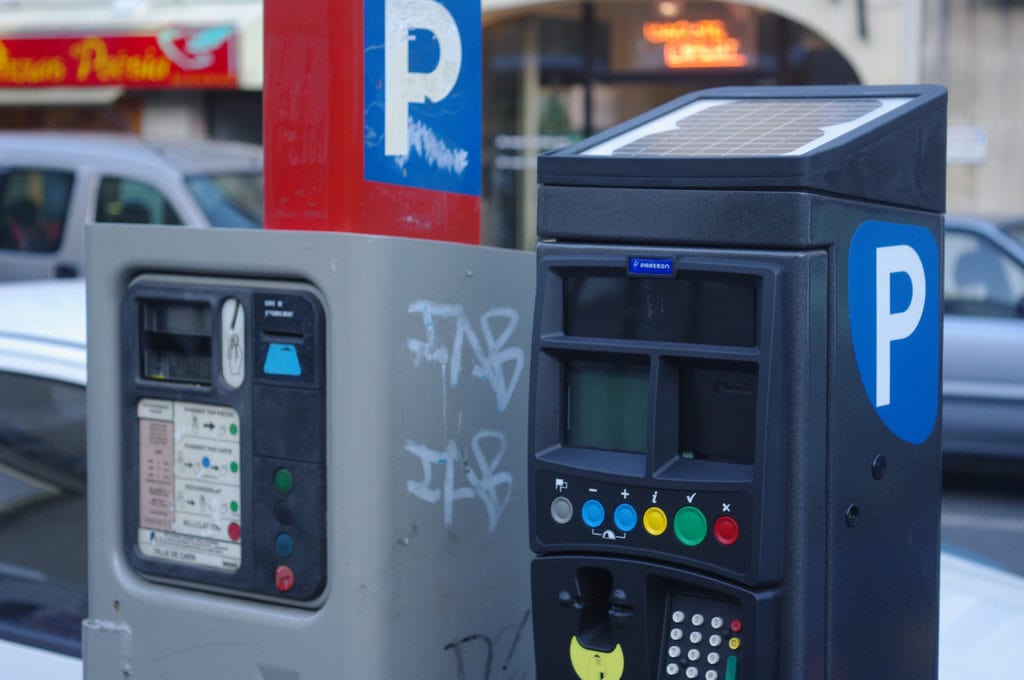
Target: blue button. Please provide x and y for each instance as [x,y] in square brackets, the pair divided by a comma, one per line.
[282,359]
[592,513]
[625,517]
[284,545]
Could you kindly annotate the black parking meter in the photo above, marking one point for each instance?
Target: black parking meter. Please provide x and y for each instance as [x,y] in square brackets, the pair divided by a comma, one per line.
[734,446]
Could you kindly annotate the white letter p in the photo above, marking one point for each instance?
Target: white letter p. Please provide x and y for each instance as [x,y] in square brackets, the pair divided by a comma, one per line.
[401,87]
[892,326]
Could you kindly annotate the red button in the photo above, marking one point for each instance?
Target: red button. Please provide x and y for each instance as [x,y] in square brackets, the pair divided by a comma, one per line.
[234,531]
[284,579]
[736,625]
[726,530]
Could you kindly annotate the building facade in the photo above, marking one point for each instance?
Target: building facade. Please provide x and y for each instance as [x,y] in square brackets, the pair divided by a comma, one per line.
[553,72]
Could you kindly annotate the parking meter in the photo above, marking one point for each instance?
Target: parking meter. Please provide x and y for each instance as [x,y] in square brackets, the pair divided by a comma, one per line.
[306,456]
[734,445]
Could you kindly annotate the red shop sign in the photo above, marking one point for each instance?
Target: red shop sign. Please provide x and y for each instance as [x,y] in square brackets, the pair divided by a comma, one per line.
[170,58]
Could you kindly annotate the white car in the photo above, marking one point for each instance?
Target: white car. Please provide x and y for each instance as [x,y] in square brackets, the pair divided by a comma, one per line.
[54,183]
[42,479]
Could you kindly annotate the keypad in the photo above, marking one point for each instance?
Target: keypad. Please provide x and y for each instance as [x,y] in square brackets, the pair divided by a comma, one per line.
[703,639]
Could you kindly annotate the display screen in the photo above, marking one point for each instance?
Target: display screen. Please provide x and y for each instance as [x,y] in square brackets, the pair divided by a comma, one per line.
[177,342]
[606,405]
[718,412]
[708,308]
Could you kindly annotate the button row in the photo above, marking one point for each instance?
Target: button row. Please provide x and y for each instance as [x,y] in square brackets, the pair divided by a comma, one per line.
[284,544]
[689,523]
[673,669]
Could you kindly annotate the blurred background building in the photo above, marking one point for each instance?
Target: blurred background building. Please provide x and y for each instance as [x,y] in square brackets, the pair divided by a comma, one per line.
[553,72]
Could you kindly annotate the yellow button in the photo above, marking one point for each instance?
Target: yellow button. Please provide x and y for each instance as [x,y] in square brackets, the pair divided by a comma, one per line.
[734,643]
[655,521]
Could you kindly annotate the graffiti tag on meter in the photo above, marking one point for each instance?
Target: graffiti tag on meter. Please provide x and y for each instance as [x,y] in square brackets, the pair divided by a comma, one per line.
[456,467]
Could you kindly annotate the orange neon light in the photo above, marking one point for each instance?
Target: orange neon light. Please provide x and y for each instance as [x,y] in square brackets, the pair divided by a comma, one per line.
[695,44]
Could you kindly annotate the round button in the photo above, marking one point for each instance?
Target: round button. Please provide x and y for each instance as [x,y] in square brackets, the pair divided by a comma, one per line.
[734,643]
[284,578]
[674,651]
[693,655]
[736,625]
[672,669]
[625,517]
[713,658]
[283,480]
[690,525]
[695,638]
[561,510]
[697,620]
[726,530]
[717,622]
[284,545]
[655,521]
[711,675]
[592,513]
[234,531]
[676,633]
[715,640]
[284,514]
[678,616]
[692,672]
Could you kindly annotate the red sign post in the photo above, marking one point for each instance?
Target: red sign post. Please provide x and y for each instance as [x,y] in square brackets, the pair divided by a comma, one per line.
[331,72]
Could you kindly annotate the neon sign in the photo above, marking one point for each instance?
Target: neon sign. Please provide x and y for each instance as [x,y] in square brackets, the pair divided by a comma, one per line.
[695,44]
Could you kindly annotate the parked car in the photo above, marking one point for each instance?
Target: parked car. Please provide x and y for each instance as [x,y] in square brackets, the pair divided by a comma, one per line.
[42,479]
[983,365]
[54,183]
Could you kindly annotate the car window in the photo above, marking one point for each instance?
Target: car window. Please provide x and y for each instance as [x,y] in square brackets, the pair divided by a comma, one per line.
[230,199]
[1017,232]
[33,208]
[981,279]
[42,512]
[133,202]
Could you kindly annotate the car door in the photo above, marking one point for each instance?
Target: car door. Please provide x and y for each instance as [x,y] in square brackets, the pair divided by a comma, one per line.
[983,349]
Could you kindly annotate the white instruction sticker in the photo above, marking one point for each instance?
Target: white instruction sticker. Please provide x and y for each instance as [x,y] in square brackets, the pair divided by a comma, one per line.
[189,483]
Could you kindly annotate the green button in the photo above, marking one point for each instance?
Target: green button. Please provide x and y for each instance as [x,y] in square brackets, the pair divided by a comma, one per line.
[730,668]
[691,526]
[284,481]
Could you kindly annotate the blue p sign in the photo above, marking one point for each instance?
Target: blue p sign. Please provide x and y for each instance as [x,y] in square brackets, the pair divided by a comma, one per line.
[422,94]
[894,323]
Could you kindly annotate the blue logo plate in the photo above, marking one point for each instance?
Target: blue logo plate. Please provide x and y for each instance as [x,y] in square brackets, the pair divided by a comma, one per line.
[652,266]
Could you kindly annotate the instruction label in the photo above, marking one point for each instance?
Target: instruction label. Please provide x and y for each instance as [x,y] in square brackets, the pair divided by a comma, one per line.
[189,483]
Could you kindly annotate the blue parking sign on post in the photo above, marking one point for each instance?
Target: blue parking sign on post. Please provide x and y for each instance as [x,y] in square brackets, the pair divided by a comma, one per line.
[422,116]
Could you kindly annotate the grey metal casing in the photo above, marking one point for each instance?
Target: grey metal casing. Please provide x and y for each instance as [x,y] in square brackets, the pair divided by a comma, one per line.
[427,555]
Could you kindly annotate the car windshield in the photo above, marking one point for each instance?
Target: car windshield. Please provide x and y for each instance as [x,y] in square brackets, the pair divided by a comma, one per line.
[233,200]
[42,512]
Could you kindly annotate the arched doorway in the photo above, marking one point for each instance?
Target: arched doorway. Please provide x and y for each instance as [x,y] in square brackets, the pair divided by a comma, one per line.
[562,71]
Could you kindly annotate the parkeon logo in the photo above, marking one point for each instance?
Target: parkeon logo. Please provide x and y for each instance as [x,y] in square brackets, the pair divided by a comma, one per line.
[894,299]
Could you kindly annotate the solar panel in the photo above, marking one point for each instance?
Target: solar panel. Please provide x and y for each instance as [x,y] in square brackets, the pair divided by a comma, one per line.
[747,127]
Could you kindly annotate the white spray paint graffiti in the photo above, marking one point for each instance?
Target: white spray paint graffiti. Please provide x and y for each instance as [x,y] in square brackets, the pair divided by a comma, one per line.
[484,481]
[434,150]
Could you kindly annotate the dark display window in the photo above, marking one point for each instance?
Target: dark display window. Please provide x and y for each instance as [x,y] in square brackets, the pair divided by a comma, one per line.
[700,308]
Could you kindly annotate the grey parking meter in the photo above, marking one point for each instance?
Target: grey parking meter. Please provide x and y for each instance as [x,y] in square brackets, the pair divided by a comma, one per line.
[734,444]
[306,456]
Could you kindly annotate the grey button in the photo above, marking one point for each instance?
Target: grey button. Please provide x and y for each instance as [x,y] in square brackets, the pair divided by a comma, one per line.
[561,510]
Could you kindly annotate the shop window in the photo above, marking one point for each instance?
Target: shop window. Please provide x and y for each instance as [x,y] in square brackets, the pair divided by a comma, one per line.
[132,202]
[33,208]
